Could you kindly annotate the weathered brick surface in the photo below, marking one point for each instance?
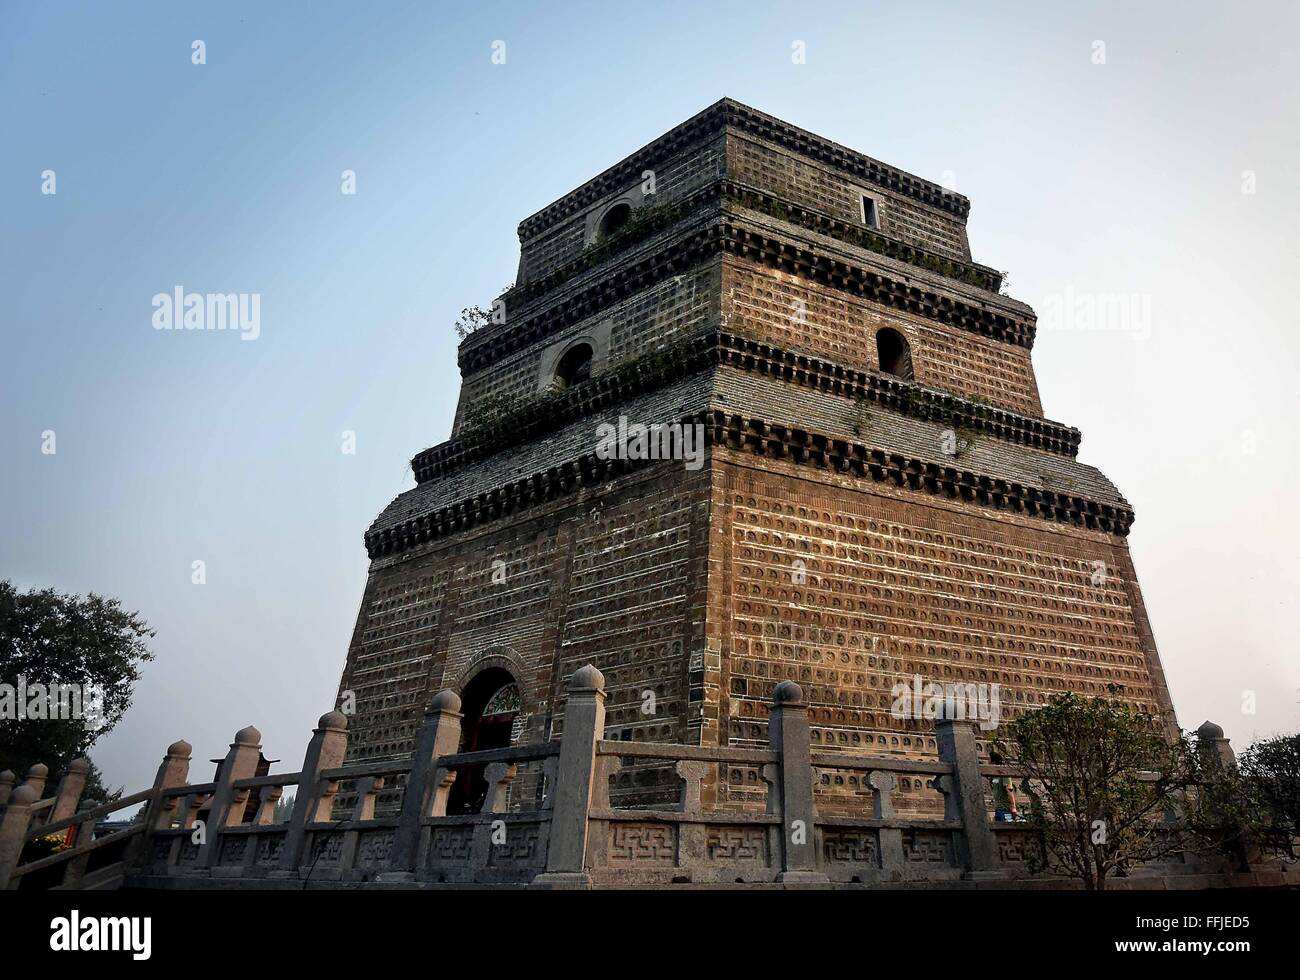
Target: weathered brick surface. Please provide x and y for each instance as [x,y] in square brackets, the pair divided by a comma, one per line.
[847,591]
[655,317]
[613,577]
[801,181]
[794,313]
[674,178]
[828,539]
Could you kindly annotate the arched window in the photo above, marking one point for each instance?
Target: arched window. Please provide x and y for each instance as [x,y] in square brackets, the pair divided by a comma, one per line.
[575,366]
[614,219]
[895,358]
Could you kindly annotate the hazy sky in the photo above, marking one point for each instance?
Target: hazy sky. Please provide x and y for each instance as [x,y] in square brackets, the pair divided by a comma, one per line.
[1128,179]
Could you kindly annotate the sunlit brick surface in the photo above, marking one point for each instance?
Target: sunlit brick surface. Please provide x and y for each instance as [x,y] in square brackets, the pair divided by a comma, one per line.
[796,314]
[814,185]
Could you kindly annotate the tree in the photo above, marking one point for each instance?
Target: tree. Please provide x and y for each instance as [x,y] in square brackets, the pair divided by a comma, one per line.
[88,649]
[283,809]
[1270,774]
[96,791]
[1218,811]
[1102,775]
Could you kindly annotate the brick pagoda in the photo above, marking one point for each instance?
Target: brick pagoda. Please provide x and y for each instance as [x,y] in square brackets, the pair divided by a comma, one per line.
[881,495]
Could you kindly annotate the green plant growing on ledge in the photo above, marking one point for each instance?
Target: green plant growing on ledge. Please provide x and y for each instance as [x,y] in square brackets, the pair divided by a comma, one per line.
[858,414]
[872,241]
[503,419]
[471,318]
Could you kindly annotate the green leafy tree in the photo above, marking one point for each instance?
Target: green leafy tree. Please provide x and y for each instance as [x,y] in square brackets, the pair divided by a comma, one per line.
[96,791]
[1218,808]
[49,638]
[1270,782]
[283,809]
[1103,776]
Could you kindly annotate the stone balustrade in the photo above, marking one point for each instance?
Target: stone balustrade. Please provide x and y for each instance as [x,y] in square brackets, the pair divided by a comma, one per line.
[911,821]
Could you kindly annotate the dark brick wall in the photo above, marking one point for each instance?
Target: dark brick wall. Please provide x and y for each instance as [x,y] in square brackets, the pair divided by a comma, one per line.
[614,577]
[675,178]
[654,318]
[841,327]
[810,183]
[893,586]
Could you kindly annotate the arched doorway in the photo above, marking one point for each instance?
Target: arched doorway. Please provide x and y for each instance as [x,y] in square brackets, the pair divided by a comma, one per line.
[490,704]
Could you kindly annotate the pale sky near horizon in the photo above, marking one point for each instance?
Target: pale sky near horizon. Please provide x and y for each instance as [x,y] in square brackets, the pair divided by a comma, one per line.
[1166,174]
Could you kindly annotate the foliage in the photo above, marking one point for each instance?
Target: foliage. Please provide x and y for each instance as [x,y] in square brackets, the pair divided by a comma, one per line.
[96,792]
[858,415]
[283,809]
[1269,772]
[1103,776]
[503,419]
[50,638]
[943,410]
[44,846]
[471,319]
[872,241]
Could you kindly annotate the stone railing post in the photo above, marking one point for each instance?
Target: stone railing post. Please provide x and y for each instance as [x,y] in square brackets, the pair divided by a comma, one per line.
[367,789]
[326,750]
[36,777]
[75,869]
[977,848]
[227,802]
[173,771]
[426,786]
[159,811]
[70,788]
[7,783]
[882,786]
[584,726]
[787,733]
[13,830]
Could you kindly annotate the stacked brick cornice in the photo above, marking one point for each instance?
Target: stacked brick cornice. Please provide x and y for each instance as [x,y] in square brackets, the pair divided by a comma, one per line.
[860,272]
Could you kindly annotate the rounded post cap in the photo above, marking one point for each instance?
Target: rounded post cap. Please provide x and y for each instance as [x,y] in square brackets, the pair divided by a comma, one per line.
[40,770]
[248,736]
[8,776]
[180,748]
[333,721]
[1209,730]
[445,701]
[587,678]
[79,765]
[24,796]
[788,692]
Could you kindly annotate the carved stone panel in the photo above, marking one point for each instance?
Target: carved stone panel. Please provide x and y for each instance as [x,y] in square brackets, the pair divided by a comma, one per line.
[738,845]
[641,844]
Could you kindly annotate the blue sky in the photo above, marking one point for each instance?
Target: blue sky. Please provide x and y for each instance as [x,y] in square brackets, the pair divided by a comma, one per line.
[1122,178]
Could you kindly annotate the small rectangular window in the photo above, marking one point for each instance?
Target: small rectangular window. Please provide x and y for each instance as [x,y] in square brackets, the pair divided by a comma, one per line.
[868,212]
